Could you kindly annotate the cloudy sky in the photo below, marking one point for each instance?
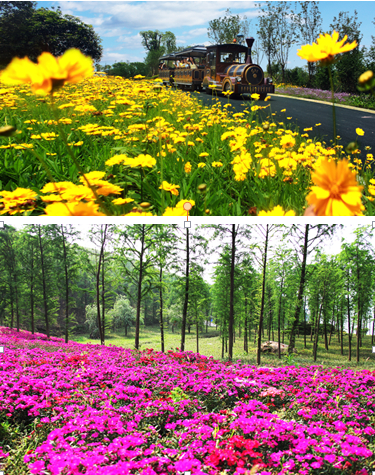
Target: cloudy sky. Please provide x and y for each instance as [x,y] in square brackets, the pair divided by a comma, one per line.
[118,23]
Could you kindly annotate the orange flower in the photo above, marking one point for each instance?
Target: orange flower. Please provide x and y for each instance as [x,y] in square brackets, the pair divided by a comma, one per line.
[50,73]
[336,191]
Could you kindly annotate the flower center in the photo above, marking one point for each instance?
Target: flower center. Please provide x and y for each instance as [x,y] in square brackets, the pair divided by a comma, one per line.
[335,190]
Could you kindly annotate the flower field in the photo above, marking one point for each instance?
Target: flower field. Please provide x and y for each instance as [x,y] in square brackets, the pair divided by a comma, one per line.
[117,147]
[109,410]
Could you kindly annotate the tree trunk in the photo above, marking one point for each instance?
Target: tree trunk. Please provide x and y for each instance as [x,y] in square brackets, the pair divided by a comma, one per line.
[373,326]
[292,340]
[161,308]
[231,298]
[304,321]
[349,334]
[32,289]
[245,342]
[44,283]
[139,292]
[332,322]
[197,329]
[103,297]
[66,288]
[359,308]
[317,323]
[279,317]
[184,313]
[262,302]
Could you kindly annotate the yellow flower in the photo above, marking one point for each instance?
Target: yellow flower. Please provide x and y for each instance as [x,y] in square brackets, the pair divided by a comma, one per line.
[18,197]
[204,154]
[216,164]
[277,211]
[115,160]
[73,209]
[50,73]
[267,98]
[326,48]
[359,132]
[201,165]
[336,191]
[92,177]
[122,201]
[168,187]
[143,161]
[287,141]
[187,167]
[255,96]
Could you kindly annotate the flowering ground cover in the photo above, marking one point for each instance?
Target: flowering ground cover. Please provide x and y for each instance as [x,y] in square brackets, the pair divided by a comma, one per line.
[365,101]
[109,146]
[109,410]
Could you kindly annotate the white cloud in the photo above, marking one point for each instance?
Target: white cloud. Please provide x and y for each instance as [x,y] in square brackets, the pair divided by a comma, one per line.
[151,15]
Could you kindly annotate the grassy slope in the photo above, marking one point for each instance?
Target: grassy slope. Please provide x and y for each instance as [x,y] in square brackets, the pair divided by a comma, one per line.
[150,338]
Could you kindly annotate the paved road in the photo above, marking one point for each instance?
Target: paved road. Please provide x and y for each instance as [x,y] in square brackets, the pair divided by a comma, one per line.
[306,114]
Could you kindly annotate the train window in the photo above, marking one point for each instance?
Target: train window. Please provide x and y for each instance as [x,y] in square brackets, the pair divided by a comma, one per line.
[212,59]
[236,57]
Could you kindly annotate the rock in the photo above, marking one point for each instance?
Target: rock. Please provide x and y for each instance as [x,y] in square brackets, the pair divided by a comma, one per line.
[273,346]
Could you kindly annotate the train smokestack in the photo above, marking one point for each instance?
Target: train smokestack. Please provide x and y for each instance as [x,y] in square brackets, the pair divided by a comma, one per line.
[249,42]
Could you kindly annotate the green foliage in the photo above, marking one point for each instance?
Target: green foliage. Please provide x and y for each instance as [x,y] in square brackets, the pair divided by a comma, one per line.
[178,395]
[27,31]
[127,70]
[297,77]
[122,314]
[224,30]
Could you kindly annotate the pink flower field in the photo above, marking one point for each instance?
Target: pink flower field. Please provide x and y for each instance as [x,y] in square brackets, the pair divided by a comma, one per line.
[114,411]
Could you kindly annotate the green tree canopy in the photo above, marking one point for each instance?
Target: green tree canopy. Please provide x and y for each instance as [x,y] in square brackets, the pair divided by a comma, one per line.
[27,31]
[224,30]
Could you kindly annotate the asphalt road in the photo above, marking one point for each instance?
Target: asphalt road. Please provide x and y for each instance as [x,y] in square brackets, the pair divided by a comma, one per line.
[305,114]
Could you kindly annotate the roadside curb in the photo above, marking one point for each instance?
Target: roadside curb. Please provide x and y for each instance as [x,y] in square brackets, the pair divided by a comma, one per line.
[324,102]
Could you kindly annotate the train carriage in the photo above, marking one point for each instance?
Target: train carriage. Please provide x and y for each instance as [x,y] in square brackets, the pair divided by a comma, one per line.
[226,67]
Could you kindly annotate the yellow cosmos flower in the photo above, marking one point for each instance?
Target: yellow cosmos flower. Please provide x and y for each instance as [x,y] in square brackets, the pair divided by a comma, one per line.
[216,164]
[122,201]
[73,209]
[287,141]
[187,167]
[359,131]
[255,96]
[168,187]
[277,211]
[143,161]
[17,197]
[201,165]
[50,73]
[336,191]
[325,48]
[115,160]
[204,154]
[92,177]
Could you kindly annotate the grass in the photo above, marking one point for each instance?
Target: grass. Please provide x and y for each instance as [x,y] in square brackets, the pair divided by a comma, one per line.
[150,338]
[109,146]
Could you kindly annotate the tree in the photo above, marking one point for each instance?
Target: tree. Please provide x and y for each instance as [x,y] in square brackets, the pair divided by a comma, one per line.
[224,30]
[308,27]
[157,44]
[351,64]
[28,31]
[122,314]
[321,231]
[279,23]
[267,32]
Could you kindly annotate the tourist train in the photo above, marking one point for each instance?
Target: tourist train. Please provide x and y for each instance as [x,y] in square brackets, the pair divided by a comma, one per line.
[224,67]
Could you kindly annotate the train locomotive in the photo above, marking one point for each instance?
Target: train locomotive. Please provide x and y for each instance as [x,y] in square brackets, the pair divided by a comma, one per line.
[224,67]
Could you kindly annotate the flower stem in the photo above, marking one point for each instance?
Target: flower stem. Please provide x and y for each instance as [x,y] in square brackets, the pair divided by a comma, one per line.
[333,107]
[75,161]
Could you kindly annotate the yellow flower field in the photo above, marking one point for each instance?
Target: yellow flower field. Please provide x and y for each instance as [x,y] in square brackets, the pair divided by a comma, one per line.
[112,146]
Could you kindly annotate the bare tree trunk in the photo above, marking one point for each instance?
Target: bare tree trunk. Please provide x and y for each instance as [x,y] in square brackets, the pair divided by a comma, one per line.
[332,322]
[103,297]
[349,334]
[139,292]
[231,298]
[184,313]
[304,321]
[373,327]
[263,291]
[245,342]
[32,289]
[292,340]
[66,287]
[161,308]
[44,283]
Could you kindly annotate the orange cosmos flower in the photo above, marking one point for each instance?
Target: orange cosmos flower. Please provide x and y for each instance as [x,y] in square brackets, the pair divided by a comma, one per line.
[336,191]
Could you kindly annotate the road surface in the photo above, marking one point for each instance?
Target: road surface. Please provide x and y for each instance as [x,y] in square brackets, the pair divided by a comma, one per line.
[305,114]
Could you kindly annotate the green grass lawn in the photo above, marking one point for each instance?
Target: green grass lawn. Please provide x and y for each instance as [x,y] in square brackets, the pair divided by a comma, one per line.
[211,346]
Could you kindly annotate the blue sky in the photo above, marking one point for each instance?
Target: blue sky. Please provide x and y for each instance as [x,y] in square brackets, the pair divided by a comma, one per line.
[118,23]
